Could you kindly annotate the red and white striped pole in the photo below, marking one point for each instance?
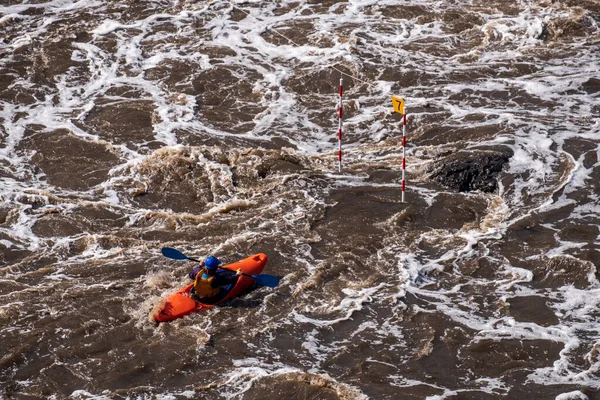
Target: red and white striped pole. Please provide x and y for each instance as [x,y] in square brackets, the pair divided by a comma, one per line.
[398,104]
[340,124]
[403,153]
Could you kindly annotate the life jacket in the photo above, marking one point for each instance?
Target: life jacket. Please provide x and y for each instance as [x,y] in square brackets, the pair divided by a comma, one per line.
[203,284]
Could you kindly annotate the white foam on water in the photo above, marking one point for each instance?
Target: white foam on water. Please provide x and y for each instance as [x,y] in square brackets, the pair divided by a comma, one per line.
[84,394]
[110,26]
[349,305]
[546,176]
[249,370]
[574,395]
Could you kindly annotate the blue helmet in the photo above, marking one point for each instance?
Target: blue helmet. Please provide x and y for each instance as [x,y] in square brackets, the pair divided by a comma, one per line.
[212,263]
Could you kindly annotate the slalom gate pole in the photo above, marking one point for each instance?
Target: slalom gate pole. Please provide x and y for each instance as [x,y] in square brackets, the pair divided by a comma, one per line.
[403,153]
[398,104]
[340,124]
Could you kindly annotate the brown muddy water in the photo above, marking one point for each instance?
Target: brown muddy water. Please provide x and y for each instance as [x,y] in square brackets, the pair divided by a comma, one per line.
[211,127]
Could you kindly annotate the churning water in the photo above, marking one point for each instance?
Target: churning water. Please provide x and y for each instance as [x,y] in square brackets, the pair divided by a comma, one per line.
[211,127]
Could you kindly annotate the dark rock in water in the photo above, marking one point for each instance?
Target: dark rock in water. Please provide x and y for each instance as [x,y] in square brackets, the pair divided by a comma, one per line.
[469,171]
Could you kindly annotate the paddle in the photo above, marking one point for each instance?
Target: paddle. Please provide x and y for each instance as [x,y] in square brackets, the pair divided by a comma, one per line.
[262,279]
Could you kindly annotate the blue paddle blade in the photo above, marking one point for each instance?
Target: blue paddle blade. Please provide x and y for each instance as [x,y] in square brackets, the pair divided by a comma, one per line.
[266,280]
[173,254]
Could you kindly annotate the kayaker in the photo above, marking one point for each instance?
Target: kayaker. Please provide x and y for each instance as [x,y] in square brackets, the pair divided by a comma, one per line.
[210,281]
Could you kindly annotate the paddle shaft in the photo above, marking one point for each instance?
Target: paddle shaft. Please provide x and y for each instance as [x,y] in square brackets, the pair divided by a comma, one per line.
[202,262]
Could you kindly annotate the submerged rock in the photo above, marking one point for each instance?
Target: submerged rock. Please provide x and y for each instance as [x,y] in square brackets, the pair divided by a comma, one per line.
[470,171]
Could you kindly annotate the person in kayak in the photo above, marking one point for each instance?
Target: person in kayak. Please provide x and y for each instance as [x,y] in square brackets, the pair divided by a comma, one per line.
[210,282]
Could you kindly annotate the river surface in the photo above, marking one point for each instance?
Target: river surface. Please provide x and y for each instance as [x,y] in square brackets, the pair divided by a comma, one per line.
[211,127]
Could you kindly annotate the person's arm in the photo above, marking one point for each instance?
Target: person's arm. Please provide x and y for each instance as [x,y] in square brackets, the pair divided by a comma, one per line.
[195,271]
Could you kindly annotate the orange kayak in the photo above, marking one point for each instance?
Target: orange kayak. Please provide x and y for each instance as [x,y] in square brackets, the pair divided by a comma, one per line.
[181,303]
